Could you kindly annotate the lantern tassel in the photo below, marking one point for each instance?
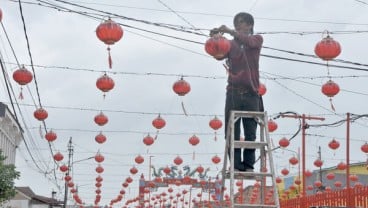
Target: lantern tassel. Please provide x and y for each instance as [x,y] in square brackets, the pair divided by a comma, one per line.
[21,94]
[156,134]
[215,136]
[193,156]
[332,105]
[109,59]
[183,107]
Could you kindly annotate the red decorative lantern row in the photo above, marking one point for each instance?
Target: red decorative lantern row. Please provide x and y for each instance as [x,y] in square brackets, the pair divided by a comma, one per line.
[50,136]
[105,83]
[308,173]
[100,138]
[272,125]
[327,49]
[353,177]
[317,183]
[99,169]
[330,176]
[133,170]
[58,157]
[284,142]
[67,178]
[158,122]
[216,159]
[262,89]
[148,140]
[364,148]
[338,183]
[200,169]
[99,158]
[333,144]
[99,179]
[101,119]
[181,87]
[178,160]
[194,140]
[217,46]
[109,32]
[139,159]
[284,171]
[40,114]
[22,76]
[167,170]
[278,180]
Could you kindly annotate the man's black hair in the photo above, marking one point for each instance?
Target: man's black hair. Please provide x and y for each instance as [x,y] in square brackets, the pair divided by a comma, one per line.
[248,18]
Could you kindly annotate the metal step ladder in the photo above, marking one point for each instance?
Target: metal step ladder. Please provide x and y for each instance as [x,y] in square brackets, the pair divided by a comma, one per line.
[266,172]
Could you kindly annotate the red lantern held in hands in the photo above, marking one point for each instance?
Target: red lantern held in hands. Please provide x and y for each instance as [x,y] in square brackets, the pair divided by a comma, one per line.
[109,32]
[22,76]
[262,89]
[327,49]
[217,46]
[181,87]
[40,114]
[158,122]
[101,119]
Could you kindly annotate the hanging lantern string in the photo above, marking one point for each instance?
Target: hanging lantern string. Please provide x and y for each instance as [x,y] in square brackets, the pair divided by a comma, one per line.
[332,105]
[157,132]
[183,107]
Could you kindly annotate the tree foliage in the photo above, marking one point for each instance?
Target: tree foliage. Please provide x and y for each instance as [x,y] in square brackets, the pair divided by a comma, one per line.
[7,176]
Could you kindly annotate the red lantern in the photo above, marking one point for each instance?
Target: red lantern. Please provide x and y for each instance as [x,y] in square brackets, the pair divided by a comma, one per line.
[307,173]
[67,178]
[98,185]
[109,32]
[148,140]
[327,49]
[167,170]
[330,88]
[99,158]
[63,168]
[334,144]
[178,160]
[101,119]
[330,176]
[298,181]
[216,159]
[181,87]
[98,191]
[272,125]
[293,160]
[100,138]
[139,159]
[341,166]
[50,136]
[215,123]
[99,169]
[353,177]
[284,142]
[318,183]
[133,170]
[158,122]
[58,157]
[318,163]
[22,76]
[125,184]
[338,183]
[200,169]
[105,83]
[364,148]
[262,89]
[217,46]
[129,179]
[278,180]
[40,114]
[122,191]
[284,171]
[194,140]
[70,184]
[1,15]
[99,178]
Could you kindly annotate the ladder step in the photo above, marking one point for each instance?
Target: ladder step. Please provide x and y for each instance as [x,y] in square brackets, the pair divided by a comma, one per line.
[248,175]
[254,205]
[249,144]
[248,114]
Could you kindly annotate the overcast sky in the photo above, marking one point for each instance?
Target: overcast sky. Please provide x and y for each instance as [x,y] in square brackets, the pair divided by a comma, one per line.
[68,59]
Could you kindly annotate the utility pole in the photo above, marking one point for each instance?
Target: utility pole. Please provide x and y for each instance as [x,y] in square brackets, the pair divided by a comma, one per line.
[304,127]
[70,156]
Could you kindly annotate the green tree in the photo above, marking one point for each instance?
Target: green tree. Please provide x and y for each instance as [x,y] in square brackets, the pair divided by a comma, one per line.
[7,176]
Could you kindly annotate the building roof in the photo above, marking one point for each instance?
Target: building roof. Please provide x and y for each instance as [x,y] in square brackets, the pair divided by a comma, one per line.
[47,200]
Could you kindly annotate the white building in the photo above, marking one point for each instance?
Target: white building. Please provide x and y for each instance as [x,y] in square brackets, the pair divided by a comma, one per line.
[10,134]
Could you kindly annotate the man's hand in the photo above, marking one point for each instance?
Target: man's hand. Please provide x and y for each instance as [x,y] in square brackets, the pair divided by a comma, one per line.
[214,31]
